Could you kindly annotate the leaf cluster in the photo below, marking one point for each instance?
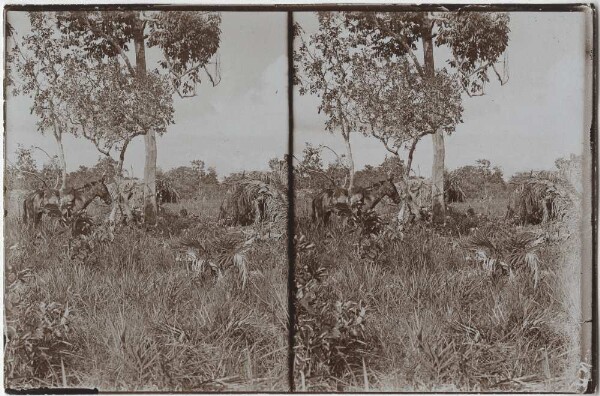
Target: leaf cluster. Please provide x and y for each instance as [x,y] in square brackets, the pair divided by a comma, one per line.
[112,107]
[363,67]
[188,40]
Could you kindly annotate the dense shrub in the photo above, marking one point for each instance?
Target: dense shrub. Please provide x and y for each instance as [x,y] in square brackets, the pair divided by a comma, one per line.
[473,182]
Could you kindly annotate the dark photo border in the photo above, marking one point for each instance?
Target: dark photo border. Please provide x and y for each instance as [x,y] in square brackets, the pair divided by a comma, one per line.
[589,286]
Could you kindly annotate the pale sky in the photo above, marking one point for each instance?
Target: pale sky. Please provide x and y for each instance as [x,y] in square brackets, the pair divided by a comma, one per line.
[535,118]
[239,124]
[526,124]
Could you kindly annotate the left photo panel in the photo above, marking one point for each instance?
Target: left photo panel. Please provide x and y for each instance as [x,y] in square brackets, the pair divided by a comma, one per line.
[145,196]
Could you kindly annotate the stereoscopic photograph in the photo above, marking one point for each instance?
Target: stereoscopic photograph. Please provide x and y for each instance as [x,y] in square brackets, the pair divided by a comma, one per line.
[299,199]
[442,200]
[145,231]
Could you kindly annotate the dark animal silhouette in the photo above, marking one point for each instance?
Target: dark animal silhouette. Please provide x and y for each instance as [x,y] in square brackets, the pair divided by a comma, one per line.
[76,200]
[337,200]
[39,202]
[165,192]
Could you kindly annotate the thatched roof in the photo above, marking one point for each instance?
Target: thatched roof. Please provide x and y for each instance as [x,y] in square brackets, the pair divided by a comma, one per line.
[252,201]
[540,197]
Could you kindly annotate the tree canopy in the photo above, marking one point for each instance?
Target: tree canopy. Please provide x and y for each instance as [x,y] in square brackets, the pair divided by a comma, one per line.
[110,94]
[375,72]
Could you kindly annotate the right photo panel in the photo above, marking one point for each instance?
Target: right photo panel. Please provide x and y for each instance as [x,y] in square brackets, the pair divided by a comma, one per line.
[442,179]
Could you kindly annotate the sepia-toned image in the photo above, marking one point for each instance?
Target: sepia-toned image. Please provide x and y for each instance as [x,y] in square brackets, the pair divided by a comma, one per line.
[145,196]
[442,181]
[299,198]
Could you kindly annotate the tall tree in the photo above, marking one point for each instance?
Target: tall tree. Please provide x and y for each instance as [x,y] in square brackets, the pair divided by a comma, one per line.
[323,67]
[111,108]
[397,107]
[474,40]
[188,41]
[41,66]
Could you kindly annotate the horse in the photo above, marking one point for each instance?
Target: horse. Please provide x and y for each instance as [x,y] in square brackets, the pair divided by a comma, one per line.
[335,200]
[39,202]
[76,200]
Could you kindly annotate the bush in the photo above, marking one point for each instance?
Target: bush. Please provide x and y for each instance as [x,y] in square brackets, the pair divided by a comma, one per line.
[330,340]
[473,182]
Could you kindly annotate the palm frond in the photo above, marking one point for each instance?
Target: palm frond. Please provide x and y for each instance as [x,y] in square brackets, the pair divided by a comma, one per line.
[510,252]
[218,248]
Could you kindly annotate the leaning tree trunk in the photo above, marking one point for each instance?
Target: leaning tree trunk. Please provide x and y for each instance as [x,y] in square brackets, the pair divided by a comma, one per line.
[409,209]
[121,201]
[150,207]
[437,170]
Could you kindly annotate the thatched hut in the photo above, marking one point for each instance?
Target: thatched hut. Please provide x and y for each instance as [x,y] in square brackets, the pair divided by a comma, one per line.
[538,198]
[252,201]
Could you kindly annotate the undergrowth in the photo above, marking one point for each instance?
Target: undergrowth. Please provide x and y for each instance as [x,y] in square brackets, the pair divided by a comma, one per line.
[115,310]
[415,310]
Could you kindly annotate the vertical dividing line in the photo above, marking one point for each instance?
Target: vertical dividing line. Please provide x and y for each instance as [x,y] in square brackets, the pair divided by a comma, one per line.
[593,384]
[291,215]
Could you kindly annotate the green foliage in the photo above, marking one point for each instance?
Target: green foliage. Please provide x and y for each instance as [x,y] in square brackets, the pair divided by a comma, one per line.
[473,58]
[476,40]
[391,166]
[188,40]
[82,82]
[323,68]
[311,173]
[25,173]
[112,107]
[105,166]
[398,106]
[43,67]
[507,252]
[217,248]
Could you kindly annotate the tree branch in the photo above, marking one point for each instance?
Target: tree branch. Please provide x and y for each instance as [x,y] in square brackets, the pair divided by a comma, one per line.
[411,151]
[316,171]
[406,46]
[332,150]
[28,172]
[116,46]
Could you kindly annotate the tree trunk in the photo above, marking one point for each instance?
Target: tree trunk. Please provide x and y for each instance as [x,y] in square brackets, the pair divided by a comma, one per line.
[350,160]
[63,163]
[411,153]
[409,202]
[150,207]
[437,170]
[121,203]
[437,178]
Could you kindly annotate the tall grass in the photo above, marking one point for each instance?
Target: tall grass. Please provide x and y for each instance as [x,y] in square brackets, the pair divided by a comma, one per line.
[130,317]
[435,319]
